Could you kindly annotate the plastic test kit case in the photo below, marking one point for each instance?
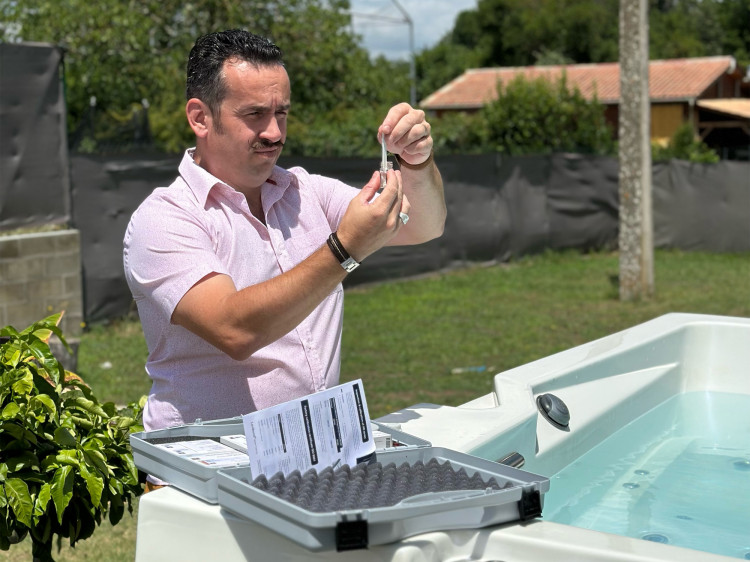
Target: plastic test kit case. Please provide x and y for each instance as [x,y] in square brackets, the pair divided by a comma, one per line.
[504,494]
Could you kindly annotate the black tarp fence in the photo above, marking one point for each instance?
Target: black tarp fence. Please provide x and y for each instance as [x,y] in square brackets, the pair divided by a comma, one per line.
[498,208]
[34,175]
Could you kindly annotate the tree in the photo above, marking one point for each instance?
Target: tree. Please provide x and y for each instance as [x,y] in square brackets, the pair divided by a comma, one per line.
[530,32]
[441,64]
[734,20]
[520,33]
[120,52]
[65,460]
[515,32]
[688,28]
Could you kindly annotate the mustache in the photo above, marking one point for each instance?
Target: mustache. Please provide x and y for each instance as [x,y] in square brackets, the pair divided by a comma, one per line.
[266,144]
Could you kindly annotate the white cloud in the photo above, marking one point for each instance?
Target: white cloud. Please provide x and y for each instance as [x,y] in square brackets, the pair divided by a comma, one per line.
[432,19]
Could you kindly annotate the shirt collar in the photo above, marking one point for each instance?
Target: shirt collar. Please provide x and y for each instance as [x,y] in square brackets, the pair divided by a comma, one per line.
[201,181]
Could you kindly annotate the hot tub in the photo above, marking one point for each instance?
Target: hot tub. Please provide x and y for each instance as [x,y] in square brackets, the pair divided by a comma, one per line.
[696,365]
[606,385]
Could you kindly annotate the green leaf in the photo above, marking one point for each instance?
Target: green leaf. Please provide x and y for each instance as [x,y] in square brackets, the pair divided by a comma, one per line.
[88,405]
[44,402]
[121,422]
[65,438]
[95,458]
[44,387]
[44,329]
[68,456]
[116,487]
[94,484]
[41,352]
[110,408]
[24,385]
[19,499]
[131,468]
[10,411]
[40,505]
[15,358]
[82,422]
[62,489]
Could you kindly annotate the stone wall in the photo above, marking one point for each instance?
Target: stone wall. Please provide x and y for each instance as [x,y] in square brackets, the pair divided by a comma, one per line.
[40,275]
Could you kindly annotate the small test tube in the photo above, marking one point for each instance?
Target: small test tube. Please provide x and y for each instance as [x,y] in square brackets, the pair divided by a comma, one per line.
[385,165]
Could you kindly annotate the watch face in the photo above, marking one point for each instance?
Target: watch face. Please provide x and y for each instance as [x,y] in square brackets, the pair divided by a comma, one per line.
[350,265]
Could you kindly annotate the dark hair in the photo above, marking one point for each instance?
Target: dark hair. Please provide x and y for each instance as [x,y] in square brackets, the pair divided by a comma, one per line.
[205,79]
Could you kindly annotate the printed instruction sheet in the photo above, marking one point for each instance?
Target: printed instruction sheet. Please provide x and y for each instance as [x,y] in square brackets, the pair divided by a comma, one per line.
[328,428]
[206,452]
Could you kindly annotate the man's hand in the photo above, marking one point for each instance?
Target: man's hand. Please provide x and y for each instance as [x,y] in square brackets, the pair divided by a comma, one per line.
[371,222]
[407,134]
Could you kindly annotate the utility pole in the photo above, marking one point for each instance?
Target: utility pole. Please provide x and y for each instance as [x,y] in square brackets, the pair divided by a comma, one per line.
[406,18]
[412,56]
[636,221]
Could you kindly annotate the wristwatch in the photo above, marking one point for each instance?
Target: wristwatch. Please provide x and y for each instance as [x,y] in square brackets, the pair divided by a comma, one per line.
[346,261]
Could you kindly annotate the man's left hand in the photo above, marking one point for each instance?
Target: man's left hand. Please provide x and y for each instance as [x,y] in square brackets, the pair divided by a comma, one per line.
[407,134]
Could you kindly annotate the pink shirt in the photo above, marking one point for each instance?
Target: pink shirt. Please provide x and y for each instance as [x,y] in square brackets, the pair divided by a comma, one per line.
[199,225]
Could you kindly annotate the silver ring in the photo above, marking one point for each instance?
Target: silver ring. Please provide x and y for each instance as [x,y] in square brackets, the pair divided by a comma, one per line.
[404,217]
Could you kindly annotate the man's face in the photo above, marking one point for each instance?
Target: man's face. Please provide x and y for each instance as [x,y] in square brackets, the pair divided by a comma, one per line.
[243,147]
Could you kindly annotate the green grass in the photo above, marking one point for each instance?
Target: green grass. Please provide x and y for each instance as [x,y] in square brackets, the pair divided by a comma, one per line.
[108,544]
[403,338]
[112,359]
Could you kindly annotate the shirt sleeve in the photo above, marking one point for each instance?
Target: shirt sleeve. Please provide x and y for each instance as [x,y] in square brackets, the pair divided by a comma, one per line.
[167,249]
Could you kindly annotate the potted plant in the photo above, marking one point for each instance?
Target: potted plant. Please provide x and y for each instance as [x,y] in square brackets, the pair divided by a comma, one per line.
[65,460]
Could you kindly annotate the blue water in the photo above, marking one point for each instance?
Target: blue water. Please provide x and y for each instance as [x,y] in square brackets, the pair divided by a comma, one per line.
[679,475]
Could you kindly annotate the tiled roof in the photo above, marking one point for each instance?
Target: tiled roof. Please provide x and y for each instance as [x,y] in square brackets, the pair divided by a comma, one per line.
[674,79]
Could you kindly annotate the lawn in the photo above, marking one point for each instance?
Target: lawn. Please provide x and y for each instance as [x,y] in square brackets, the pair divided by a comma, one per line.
[404,338]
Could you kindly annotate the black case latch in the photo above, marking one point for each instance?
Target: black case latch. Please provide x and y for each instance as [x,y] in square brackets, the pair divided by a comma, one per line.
[351,535]
[530,505]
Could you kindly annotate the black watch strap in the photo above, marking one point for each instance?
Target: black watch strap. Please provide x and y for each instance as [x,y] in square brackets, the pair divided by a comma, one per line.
[346,261]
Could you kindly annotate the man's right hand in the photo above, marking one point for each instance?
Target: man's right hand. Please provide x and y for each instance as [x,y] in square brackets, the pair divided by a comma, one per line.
[371,221]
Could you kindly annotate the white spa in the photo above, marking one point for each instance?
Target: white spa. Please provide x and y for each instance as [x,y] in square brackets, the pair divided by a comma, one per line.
[680,384]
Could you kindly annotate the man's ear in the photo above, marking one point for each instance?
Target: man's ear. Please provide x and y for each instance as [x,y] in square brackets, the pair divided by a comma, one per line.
[198,116]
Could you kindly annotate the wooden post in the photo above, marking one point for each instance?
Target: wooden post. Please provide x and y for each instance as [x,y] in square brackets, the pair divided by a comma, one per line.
[636,222]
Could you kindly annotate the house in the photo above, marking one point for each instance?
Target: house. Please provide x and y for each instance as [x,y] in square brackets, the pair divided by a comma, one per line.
[711,93]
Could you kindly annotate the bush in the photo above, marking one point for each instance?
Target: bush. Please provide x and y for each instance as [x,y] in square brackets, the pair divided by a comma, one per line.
[65,460]
[684,145]
[458,133]
[532,117]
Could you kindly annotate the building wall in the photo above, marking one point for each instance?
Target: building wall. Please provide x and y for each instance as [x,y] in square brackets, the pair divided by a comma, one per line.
[40,274]
[666,118]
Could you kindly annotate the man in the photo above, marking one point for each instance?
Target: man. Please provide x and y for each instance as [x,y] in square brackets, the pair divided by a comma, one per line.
[236,268]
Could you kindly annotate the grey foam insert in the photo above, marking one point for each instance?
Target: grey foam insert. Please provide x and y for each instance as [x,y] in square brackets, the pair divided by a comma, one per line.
[368,486]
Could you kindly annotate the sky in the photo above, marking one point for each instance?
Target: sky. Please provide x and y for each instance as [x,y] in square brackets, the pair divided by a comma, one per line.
[432,20]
